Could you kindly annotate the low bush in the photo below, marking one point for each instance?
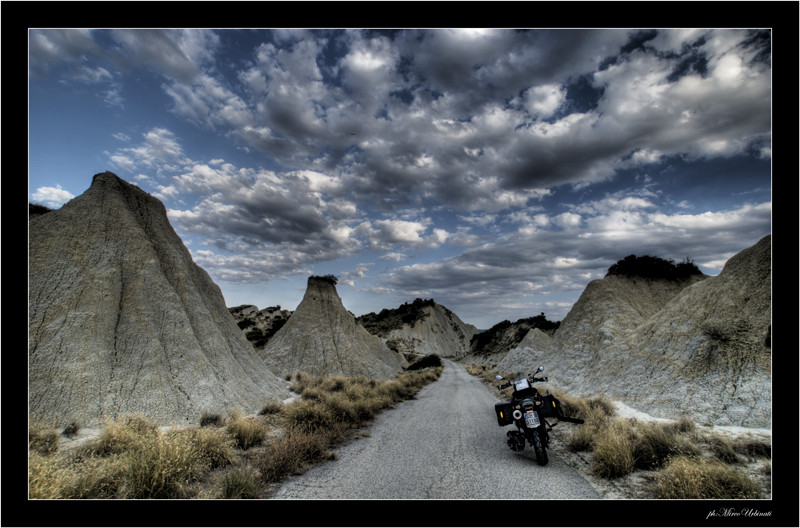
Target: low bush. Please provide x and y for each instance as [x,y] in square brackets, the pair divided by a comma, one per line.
[71,429]
[42,440]
[753,449]
[694,478]
[653,268]
[431,360]
[241,483]
[247,431]
[271,407]
[613,450]
[158,466]
[723,450]
[292,452]
[596,412]
[656,443]
[210,419]
[121,435]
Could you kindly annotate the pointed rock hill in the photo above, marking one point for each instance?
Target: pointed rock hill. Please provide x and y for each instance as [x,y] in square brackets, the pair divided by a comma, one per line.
[322,337]
[698,347]
[122,321]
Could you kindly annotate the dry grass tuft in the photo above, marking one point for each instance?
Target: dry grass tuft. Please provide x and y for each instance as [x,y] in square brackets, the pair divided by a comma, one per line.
[241,483]
[42,440]
[248,431]
[613,450]
[694,478]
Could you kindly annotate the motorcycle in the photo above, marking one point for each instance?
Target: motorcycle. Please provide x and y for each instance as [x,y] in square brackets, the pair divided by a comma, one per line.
[528,410]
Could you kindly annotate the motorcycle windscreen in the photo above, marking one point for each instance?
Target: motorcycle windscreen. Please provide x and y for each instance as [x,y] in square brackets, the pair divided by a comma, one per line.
[522,384]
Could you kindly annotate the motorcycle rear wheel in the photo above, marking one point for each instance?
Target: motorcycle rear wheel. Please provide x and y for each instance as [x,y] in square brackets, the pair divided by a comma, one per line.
[538,447]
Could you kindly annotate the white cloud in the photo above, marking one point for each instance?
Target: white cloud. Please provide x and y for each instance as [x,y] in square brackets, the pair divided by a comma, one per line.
[374,137]
[52,197]
[542,101]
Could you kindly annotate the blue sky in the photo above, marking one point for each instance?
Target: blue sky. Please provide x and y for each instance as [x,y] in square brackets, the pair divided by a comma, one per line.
[496,171]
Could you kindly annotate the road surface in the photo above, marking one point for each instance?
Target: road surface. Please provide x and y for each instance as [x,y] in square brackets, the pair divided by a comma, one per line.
[445,444]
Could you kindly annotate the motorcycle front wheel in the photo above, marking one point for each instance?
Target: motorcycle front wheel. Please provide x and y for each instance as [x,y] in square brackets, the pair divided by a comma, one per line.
[538,446]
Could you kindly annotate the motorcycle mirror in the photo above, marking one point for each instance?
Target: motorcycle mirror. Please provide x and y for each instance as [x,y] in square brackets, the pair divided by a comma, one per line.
[540,369]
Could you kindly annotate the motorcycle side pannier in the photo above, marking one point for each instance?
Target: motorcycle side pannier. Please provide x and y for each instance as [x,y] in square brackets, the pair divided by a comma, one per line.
[550,406]
[503,411]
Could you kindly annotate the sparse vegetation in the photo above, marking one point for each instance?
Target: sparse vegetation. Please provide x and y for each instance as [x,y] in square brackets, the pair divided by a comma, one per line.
[613,450]
[332,279]
[392,319]
[429,361]
[42,440]
[134,458]
[241,483]
[37,210]
[695,478]
[247,431]
[653,268]
[506,335]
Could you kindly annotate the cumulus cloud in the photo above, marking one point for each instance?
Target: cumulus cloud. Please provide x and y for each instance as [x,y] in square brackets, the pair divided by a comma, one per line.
[482,133]
[480,120]
[52,197]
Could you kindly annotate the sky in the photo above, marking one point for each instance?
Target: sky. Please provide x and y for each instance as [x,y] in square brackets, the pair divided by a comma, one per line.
[496,171]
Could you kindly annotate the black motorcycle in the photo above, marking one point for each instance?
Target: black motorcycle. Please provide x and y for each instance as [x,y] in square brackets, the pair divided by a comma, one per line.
[528,410]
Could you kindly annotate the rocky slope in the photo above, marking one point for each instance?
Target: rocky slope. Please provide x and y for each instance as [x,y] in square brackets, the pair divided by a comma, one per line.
[322,337]
[698,346]
[490,346]
[259,325]
[122,321]
[532,346]
[422,328]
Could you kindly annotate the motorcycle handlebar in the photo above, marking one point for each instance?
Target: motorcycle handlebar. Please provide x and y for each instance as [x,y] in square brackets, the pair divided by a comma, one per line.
[532,380]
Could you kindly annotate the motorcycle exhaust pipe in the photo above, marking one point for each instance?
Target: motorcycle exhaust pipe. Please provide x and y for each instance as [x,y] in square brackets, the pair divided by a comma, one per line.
[517,414]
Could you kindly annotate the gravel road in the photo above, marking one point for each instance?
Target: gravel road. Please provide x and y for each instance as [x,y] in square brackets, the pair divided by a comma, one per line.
[445,444]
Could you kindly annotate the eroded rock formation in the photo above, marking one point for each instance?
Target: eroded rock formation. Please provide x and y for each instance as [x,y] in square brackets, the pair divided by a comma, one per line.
[122,321]
[322,337]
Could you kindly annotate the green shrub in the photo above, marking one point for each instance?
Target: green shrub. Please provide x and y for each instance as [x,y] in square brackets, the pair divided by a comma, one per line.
[307,414]
[693,478]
